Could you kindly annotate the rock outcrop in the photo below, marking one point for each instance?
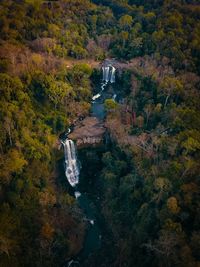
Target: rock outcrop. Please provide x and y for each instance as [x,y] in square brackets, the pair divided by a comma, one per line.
[89,131]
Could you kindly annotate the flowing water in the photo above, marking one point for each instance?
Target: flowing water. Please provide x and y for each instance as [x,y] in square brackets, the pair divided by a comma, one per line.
[71,164]
[72,171]
[108,76]
[98,99]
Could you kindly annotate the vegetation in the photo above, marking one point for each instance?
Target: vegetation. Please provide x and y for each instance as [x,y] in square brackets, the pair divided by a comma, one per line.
[147,179]
[151,181]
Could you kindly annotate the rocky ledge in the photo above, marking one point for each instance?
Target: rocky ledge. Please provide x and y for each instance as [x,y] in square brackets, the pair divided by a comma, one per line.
[89,131]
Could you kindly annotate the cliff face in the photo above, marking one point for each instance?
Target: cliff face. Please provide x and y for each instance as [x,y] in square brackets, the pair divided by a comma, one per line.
[90,131]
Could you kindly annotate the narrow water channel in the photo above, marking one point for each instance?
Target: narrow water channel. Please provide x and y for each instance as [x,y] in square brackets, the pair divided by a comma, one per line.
[93,236]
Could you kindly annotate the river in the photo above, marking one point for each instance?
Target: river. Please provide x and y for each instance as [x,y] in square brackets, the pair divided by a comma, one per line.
[93,236]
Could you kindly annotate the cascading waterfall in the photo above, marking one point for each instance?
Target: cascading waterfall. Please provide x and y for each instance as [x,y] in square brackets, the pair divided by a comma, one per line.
[72,172]
[103,69]
[108,76]
[71,165]
[109,73]
[112,77]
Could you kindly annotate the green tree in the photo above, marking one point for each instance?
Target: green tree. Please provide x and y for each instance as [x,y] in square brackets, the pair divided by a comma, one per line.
[125,21]
[110,104]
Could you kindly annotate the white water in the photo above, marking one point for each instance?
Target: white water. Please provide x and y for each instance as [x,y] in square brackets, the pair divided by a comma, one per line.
[114,97]
[96,96]
[73,262]
[92,222]
[69,131]
[108,76]
[71,165]
[77,194]
[112,77]
[103,85]
[109,73]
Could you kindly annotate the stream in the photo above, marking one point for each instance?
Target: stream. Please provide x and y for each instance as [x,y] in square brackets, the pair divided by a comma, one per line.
[93,236]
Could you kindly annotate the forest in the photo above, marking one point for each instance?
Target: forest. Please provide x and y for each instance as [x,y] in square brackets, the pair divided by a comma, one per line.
[145,180]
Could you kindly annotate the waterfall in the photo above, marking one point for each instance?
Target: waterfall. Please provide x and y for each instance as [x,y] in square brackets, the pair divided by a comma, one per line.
[109,73]
[108,76]
[103,69]
[112,78]
[71,164]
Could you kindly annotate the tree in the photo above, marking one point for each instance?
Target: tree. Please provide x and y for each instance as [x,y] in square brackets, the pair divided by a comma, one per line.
[110,104]
[58,91]
[164,247]
[148,109]
[140,121]
[162,186]
[125,22]
[171,86]
[172,205]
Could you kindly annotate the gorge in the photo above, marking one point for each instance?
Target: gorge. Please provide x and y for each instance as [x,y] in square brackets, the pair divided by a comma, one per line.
[88,132]
[99,133]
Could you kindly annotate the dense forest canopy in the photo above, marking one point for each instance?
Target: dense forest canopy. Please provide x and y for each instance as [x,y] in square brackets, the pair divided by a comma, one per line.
[150,173]
[123,29]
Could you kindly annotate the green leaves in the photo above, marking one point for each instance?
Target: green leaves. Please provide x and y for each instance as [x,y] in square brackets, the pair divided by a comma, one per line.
[11,88]
[125,21]
[58,92]
[191,145]
[171,86]
[11,163]
[110,104]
